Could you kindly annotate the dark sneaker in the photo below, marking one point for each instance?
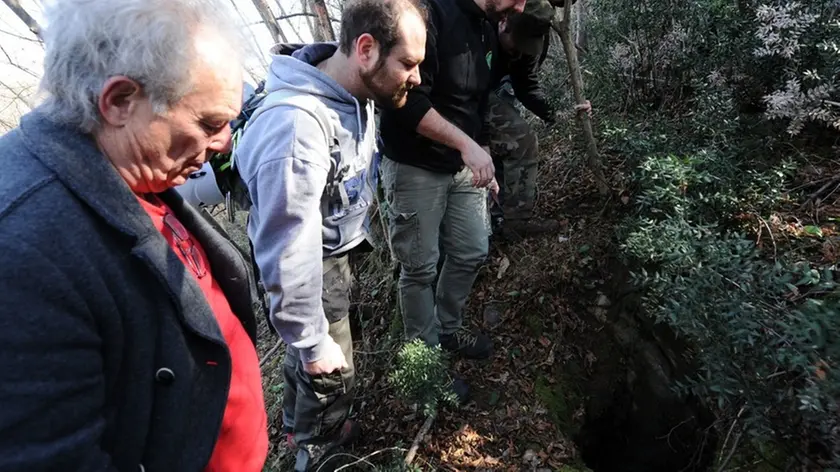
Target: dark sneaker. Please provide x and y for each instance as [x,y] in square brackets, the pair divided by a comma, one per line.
[515,230]
[470,345]
[310,455]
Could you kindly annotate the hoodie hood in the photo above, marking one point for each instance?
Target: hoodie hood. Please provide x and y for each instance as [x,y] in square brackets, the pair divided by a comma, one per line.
[294,67]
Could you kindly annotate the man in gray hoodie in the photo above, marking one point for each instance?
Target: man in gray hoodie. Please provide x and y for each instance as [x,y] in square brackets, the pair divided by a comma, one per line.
[305,158]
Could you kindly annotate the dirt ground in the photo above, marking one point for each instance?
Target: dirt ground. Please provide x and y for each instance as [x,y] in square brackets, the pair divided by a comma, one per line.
[536,298]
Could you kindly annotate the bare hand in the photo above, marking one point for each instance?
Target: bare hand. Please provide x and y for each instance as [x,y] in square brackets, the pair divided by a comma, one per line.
[480,163]
[332,360]
[585,106]
[493,187]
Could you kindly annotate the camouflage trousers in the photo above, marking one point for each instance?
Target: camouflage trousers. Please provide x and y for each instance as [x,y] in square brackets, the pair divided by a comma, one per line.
[316,406]
[513,146]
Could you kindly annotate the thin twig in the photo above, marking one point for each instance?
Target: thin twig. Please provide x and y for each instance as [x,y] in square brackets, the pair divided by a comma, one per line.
[731,451]
[729,433]
[359,460]
[294,15]
[24,38]
[270,353]
[832,193]
[770,232]
[409,458]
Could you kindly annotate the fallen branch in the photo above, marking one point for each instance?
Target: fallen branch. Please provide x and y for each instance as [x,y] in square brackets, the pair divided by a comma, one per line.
[409,458]
[270,353]
[814,196]
[358,460]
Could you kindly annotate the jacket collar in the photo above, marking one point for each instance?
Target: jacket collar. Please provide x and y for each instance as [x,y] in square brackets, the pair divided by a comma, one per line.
[81,167]
[79,164]
[470,8]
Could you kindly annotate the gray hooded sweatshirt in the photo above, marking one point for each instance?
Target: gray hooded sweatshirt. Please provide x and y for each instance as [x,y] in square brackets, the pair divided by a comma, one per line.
[298,217]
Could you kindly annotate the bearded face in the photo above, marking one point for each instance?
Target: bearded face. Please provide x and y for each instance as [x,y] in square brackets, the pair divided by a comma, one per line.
[388,86]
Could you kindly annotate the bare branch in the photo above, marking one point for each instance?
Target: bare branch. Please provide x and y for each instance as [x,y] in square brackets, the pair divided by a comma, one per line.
[16,65]
[24,38]
[24,16]
[17,93]
[563,28]
[255,44]
[270,23]
[291,25]
[293,15]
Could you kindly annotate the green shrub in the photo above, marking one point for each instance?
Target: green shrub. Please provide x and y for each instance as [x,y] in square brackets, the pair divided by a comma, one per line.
[764,335]
[420,377]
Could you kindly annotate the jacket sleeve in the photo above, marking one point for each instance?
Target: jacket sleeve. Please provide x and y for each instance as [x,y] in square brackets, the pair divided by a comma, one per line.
[418,101]
[288,241]
[526,87]
[52,387]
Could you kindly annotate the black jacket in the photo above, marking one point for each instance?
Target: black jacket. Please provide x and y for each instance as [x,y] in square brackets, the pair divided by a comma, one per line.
[455,81]
[111,358]
[523,71]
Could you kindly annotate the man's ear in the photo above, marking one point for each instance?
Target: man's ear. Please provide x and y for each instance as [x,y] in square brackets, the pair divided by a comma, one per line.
[119,99]
[368,51]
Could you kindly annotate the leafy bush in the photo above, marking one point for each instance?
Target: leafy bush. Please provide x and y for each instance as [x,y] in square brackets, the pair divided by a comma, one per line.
[420,377]
[781,56]
[763,344]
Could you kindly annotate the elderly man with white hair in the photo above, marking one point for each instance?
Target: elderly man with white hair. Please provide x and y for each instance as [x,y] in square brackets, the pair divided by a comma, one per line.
[126,328]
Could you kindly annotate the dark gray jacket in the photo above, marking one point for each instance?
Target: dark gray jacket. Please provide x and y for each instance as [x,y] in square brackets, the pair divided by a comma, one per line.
[110,357]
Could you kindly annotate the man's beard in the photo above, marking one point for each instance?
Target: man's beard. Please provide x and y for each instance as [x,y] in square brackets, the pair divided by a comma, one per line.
[382,97]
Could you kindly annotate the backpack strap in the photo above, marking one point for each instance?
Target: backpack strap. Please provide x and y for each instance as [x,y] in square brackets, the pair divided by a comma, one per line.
[316,108]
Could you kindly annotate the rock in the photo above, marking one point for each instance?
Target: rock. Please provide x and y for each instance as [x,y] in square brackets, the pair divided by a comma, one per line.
[530,457]
[492,315]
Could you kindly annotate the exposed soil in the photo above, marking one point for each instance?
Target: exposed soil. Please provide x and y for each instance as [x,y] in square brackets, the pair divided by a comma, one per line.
[558,374]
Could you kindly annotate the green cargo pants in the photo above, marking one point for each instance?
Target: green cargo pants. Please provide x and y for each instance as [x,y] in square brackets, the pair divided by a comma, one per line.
[428,212]
[315,407]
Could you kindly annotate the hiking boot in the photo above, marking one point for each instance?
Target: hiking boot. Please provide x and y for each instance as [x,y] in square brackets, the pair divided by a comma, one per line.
[515,230]
[310,455]
[472,345]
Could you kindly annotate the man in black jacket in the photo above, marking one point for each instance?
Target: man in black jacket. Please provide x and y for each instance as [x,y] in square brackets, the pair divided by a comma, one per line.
[435,172]
[127,336]
[524,41]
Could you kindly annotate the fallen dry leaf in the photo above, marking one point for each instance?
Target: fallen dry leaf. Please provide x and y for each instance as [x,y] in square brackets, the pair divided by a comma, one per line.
[503,267]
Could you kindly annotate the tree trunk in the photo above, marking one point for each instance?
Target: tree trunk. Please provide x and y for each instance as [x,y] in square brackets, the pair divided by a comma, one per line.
[270,23]
[582,7]
[323,28]
[255,45]
[30,22]
[563,28]
[283,14]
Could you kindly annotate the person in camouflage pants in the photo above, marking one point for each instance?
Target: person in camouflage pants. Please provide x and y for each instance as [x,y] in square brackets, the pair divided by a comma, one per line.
[524,41]
[513,145]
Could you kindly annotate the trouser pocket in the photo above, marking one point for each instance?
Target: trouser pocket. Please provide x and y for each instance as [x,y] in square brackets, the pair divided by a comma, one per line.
[336,287]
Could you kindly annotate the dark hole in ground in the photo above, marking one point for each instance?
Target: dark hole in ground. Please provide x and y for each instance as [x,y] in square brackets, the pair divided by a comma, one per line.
[635,421]
[638,431]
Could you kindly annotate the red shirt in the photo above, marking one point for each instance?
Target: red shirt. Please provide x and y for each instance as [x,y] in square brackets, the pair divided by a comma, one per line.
[242,445]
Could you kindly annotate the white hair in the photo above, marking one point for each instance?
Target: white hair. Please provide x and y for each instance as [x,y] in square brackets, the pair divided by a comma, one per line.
[150,41]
